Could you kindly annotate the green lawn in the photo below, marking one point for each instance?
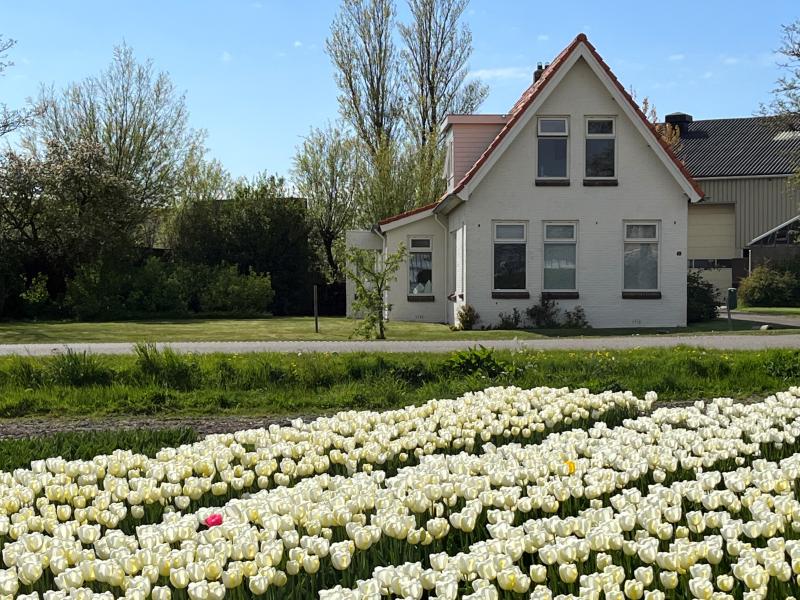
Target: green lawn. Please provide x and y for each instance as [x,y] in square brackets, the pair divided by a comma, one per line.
[770,310]
[288,328]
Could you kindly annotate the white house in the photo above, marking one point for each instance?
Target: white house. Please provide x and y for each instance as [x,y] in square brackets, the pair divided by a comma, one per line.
[571,195]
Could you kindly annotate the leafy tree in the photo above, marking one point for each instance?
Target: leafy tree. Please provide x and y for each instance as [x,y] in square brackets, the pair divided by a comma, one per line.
[134,114]
[9,119]
[328,174]
[63,208]
[373,278]
[362,50]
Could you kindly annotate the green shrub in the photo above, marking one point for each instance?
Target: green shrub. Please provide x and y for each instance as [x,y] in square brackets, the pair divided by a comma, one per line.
[165,368]
[769,286]
[476,360]
[78,369]
[702,299]
[576,319]
[158,287]
[467,317]
[511,320]
[228,291]
[24,372]
[544,315]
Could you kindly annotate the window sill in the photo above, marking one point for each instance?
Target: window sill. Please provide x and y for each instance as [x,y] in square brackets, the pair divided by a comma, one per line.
[560,295]
[600,182]
[510,295]
[641,295]
[419,298]
[551,182]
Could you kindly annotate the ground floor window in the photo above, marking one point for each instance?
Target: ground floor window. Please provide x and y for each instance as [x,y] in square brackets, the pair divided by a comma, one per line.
[641,256]
[510,244]
[420,267]
[560,256]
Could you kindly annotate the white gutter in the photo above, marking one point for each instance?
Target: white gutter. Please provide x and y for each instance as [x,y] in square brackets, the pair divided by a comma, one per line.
[446,262]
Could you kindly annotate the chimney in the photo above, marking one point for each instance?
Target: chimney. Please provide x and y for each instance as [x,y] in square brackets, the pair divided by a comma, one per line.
[538,72]
[679,120]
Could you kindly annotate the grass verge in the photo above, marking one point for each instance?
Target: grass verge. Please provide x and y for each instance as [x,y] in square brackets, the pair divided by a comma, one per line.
[164,383]
[294,328]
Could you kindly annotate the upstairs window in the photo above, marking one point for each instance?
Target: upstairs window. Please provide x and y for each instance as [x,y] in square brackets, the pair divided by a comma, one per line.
[420,267]
[509,256]
[601,148]
[553,133]
[560,244]
[641,257]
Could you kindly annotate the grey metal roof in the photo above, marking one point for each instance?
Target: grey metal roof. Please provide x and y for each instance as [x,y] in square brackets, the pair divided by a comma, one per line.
[745,146]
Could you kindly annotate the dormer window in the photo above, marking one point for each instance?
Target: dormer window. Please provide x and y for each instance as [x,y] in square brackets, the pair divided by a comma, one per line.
[601,148]
[553,133]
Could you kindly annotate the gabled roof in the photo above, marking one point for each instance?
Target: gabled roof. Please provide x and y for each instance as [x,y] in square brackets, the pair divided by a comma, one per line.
[742,147]
[535,91]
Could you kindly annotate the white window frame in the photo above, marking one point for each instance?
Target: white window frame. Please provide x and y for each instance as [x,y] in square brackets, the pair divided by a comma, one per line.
[633,240]
[411,250]
[600,136]
[524,241]
[550,134]
[573,239]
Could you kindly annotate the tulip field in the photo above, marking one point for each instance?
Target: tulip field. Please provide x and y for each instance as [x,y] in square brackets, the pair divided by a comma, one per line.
[500,494]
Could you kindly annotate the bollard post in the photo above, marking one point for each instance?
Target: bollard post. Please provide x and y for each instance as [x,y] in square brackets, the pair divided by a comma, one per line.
[316,311]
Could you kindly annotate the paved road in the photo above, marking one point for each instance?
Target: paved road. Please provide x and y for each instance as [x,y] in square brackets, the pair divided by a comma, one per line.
[722,342]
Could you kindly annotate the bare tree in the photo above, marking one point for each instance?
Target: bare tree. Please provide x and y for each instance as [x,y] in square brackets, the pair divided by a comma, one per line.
[9,119]
[434,70]
[134,114]
[365,59]
[327,172]
[785,106]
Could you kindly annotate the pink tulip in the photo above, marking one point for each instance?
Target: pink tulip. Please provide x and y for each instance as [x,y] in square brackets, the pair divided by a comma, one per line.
[213,520]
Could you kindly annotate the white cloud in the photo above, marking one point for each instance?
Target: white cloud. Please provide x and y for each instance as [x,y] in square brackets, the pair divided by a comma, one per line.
[730,60]
[542,37]
[503,73]
[226,56]
[708,75]
[257,5]
[297,44]
[676,56]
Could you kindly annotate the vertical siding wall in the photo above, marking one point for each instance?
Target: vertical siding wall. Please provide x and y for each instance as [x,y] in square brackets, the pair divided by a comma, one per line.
[761,203]
[469,142]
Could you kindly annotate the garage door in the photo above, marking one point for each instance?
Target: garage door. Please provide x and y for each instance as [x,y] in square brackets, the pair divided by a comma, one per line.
[712,229]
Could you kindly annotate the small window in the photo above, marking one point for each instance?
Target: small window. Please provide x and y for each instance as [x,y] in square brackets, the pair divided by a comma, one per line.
[509,256]
[420,267]
[560,256]
[641,246]
[552,148]
[600,148]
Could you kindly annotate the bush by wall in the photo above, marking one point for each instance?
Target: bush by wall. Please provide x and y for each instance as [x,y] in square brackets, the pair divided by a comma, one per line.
[769,285]
[702,299]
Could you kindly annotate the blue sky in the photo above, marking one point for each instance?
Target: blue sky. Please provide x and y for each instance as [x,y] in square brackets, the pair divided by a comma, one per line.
[256,76]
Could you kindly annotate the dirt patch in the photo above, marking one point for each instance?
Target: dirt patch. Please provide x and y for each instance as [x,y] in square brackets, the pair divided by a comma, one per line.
[24,428]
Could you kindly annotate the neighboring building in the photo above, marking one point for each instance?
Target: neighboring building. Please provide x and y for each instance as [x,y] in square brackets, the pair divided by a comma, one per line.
[571,195]
[743,166]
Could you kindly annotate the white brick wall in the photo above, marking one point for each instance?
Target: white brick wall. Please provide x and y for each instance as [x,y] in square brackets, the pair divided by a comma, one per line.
[646,191]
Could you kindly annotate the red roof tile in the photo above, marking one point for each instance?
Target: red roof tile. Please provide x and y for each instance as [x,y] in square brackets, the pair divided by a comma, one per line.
[408,213]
